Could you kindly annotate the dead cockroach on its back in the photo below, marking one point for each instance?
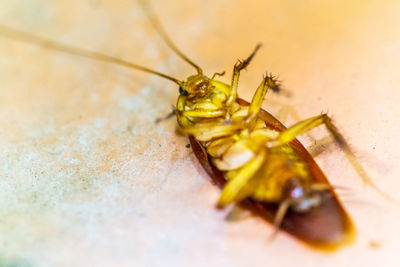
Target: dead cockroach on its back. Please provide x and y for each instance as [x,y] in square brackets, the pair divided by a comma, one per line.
[257,162]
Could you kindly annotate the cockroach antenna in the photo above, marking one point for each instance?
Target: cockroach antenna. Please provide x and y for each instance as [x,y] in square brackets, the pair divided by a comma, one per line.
[160,30]
[29,38]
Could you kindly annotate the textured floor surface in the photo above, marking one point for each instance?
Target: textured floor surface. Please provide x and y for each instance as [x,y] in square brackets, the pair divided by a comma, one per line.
[88,179]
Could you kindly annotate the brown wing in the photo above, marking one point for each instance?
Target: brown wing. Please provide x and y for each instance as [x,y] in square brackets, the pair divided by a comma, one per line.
[326,227]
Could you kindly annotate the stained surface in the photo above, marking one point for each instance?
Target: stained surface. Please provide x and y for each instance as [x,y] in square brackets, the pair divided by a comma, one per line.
[87,178]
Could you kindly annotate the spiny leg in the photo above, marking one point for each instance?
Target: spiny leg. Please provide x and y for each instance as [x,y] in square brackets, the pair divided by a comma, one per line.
[306,125]
[258,98]
[168,116]
[236,73]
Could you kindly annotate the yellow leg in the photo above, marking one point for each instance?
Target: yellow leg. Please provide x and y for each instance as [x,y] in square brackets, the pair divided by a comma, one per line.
[203,113]
[258,98]
[209,131]
[306,125]
[235,77]
[285,111]
[233,187]
[218,74]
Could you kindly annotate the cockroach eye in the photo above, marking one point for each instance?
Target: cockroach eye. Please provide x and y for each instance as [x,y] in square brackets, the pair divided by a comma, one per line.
[182,92]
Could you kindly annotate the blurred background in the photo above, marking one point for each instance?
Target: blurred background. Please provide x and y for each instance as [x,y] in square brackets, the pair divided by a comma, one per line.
[88,179]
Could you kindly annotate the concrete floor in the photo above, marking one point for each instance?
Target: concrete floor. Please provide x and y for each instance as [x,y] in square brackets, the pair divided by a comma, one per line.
[88,179]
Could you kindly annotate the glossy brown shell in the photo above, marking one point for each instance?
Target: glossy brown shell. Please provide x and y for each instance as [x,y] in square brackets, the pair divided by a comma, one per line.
[326,227]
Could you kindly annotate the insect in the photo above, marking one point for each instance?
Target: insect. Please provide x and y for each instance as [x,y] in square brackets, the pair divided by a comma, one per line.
[248,148]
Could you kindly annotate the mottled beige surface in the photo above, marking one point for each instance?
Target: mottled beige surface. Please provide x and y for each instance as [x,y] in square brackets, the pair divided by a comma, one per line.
[88,179]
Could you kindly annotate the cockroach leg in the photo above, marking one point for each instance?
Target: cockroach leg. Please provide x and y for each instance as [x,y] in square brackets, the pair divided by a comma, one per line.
[258,98]
[169,115]
[285,111]
[234,186]
[279,216]
[204,113]
[236,73]
[222,73]
[306,125]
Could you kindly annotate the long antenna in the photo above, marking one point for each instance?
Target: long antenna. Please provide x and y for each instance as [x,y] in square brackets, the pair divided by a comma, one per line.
[41,41]
[159,28]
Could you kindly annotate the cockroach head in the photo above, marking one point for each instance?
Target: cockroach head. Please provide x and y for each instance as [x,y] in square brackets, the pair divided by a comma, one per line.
[196,85]
[301,195]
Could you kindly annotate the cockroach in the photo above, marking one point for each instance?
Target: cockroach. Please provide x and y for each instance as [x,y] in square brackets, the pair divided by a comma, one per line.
[251,155]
